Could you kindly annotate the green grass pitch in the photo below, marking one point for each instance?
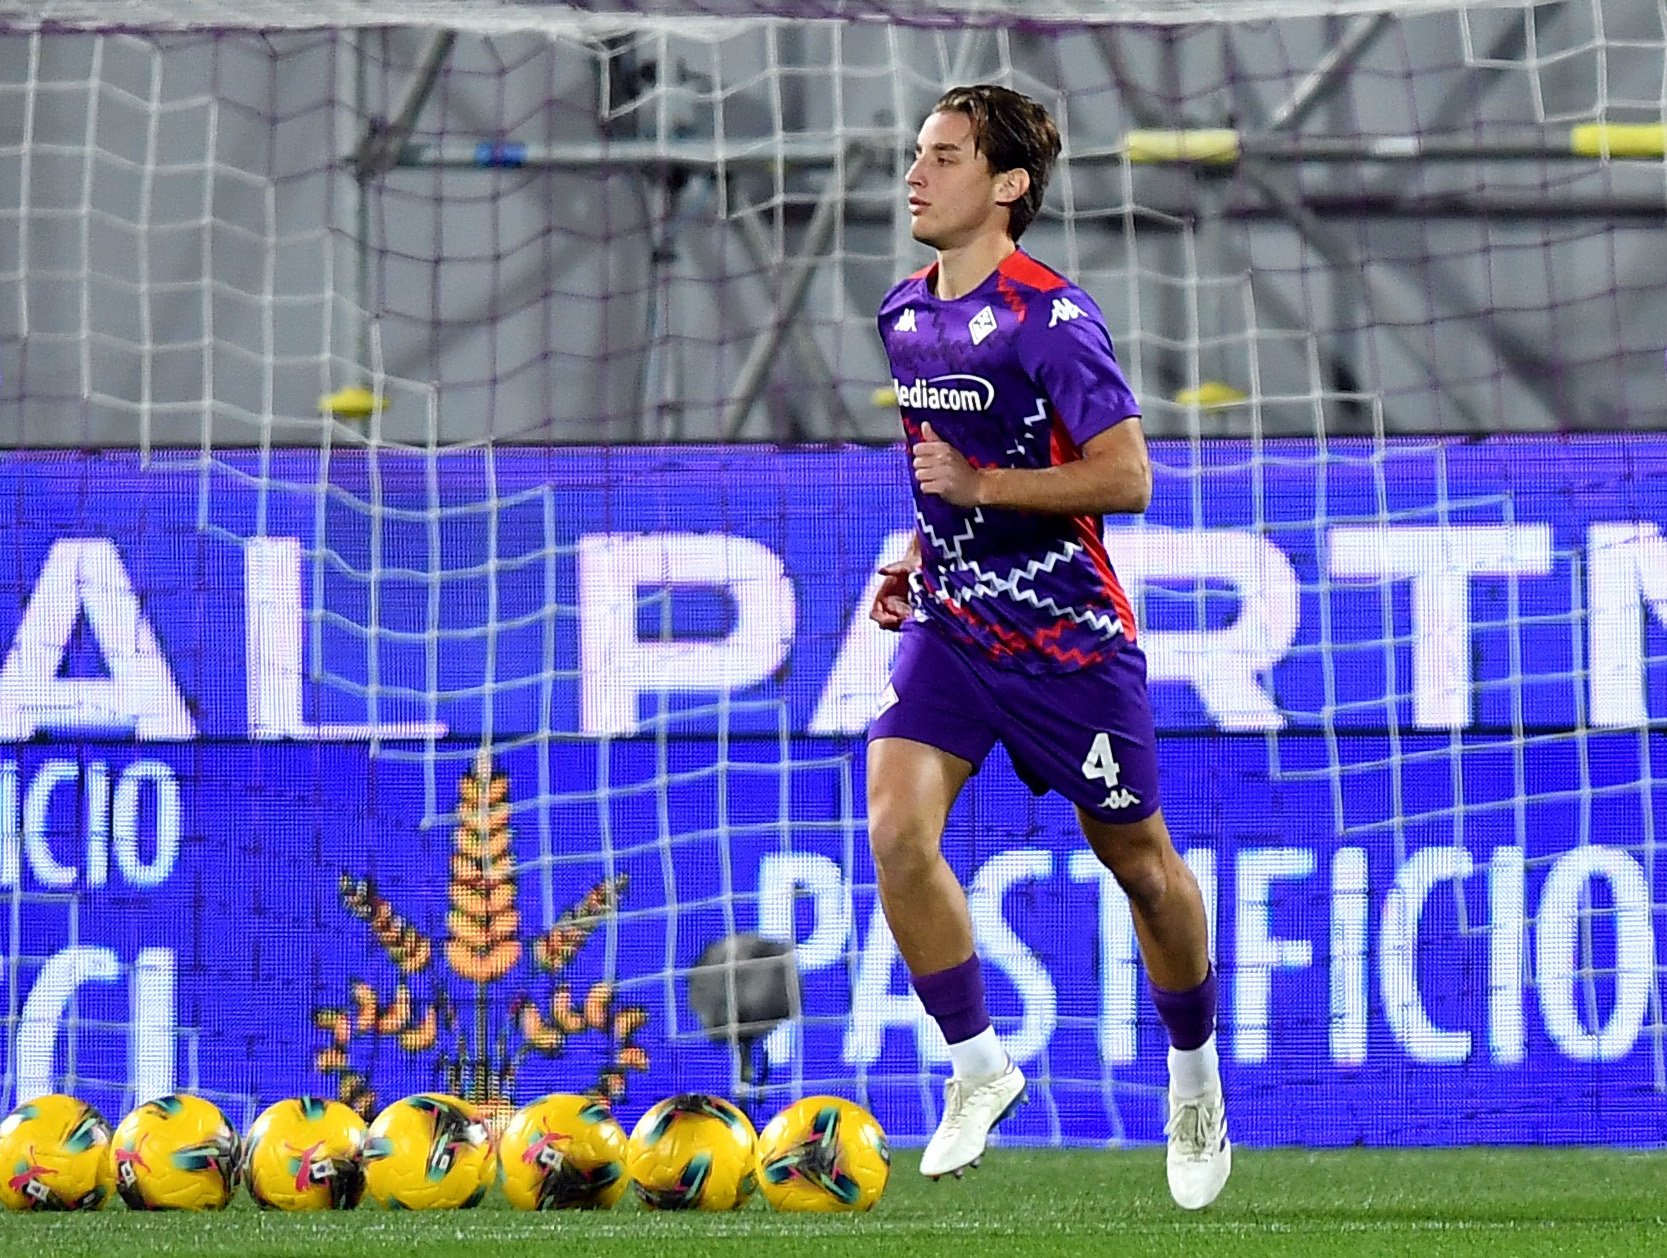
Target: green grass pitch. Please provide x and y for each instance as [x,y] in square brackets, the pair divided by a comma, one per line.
[1356,1202]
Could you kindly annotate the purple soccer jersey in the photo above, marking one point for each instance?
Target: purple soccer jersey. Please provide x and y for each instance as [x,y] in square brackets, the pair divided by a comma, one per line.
[1017,373]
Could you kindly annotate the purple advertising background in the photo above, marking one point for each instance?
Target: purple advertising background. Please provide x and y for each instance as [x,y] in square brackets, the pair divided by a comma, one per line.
[265,946]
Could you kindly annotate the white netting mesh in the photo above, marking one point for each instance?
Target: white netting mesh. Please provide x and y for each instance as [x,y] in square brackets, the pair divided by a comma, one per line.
[545,245]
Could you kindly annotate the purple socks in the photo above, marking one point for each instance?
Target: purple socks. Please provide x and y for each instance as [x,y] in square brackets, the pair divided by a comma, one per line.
[955,999]
[1189,1016]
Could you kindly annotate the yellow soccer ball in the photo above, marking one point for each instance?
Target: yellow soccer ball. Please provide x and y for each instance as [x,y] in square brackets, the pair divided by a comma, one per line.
[693,1152]
[563,1152]
[428,1152]
[823,1154]
[55,1155]
[175,1153]
[305,1154]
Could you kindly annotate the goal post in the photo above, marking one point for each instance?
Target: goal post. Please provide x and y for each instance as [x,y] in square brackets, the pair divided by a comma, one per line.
[448,455]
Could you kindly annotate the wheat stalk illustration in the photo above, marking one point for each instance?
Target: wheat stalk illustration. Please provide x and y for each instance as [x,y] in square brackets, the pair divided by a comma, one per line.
[482,947]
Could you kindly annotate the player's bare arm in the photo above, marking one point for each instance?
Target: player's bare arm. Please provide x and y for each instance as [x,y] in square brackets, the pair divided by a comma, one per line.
[1113,477]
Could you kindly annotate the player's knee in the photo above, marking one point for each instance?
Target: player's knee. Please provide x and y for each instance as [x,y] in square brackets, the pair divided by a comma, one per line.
[1144,879]
[903,848]
[1145,870]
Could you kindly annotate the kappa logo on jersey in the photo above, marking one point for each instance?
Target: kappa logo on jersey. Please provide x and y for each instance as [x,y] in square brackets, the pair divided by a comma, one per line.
[946,393]
[983,323]
[905,321]
[1064,310]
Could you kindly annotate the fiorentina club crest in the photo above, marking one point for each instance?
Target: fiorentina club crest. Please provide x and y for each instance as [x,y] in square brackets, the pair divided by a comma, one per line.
[441,1006]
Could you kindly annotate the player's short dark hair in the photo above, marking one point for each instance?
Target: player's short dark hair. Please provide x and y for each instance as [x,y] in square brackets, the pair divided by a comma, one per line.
[1013,132]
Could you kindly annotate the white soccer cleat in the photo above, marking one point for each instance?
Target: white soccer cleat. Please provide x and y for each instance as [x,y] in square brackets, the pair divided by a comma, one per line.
[969,1111]
[1200,1155]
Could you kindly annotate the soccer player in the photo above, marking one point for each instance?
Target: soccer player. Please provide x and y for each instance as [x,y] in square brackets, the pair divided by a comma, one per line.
[1022,432]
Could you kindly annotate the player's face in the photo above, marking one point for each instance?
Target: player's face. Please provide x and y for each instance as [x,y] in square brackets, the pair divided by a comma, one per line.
[954,196]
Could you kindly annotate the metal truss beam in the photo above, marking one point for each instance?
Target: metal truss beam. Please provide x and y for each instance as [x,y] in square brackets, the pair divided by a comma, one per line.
[1267,296]
[782,152]
[1332,72]
[1217,148]
[1639,213]
[1257,157]
[1395,304]
[755,369]
[756,242]
[1225,147]
[378,152]
[385,141]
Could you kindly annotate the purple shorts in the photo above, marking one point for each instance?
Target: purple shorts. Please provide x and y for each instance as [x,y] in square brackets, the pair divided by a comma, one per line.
[1086,734]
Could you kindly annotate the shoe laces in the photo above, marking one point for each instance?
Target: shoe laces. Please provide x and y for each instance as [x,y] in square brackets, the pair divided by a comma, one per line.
[955,1093]
[1194,1124]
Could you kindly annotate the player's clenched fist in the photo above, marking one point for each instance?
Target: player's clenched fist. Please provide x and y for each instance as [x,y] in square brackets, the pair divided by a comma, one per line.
[940,469]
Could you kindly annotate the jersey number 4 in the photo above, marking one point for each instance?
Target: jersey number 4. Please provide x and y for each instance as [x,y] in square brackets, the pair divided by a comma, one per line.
[1101,765]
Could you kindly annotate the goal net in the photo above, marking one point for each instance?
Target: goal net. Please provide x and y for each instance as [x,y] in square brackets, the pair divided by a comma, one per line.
[448,453]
